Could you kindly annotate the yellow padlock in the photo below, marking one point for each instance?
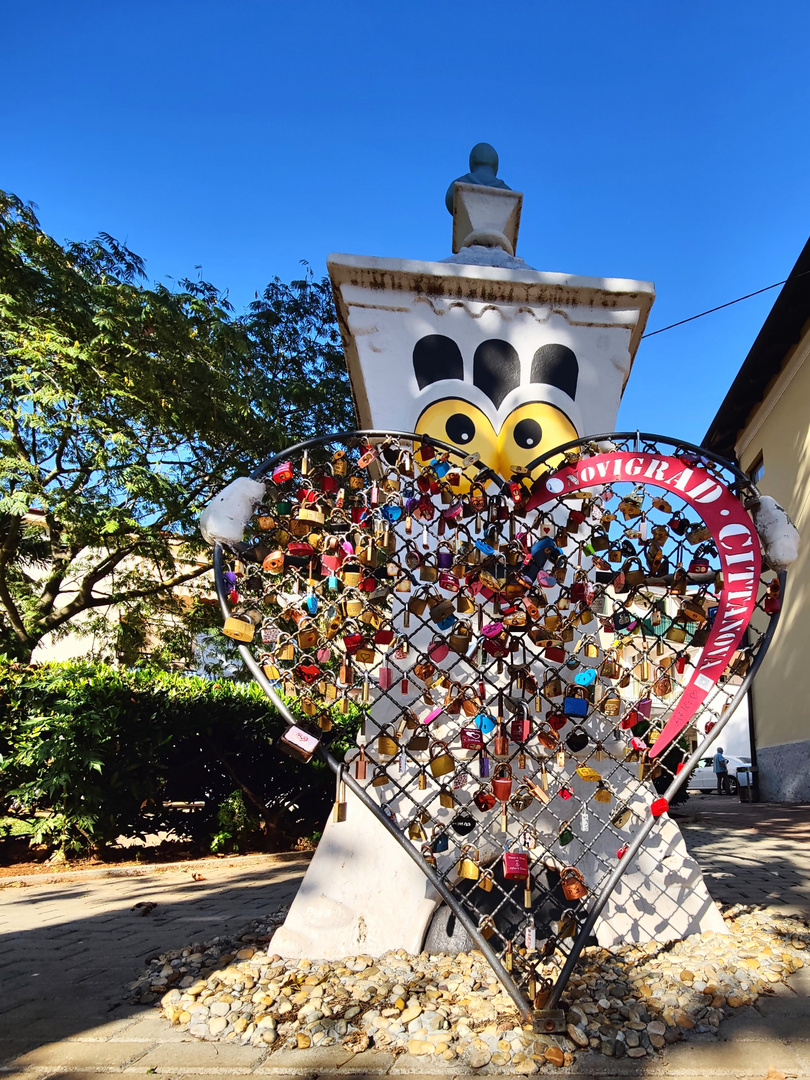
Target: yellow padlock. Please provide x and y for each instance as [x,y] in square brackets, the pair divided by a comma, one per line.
[467,866]
[239,627]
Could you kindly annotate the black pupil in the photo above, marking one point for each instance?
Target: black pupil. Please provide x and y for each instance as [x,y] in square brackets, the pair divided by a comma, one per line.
[460,428]
[528,434]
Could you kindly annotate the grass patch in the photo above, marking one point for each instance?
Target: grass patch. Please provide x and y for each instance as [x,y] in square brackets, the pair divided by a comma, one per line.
[14,827]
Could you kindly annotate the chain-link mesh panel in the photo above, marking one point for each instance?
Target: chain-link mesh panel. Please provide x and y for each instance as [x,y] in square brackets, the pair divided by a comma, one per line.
[503,656]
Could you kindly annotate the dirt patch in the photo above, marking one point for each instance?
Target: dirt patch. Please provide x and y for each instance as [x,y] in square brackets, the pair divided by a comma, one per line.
[17,859]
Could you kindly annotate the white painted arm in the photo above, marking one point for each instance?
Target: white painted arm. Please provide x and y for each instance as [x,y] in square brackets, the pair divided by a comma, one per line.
[225,517]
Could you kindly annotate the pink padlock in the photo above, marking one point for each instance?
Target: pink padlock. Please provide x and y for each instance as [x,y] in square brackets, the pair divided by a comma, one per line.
[386,676]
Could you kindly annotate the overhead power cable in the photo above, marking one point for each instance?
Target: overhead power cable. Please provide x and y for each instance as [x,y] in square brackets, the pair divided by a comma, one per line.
[720,307]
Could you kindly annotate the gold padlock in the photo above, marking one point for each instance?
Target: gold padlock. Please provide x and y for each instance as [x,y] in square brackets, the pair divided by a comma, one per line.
[441,762]
[416,831]
[486,881]
[239,627]
[387,746]
[467,866]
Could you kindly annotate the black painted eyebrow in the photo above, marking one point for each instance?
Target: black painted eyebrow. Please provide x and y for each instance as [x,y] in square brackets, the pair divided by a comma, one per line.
[436,358]
[558,366]
[496,369]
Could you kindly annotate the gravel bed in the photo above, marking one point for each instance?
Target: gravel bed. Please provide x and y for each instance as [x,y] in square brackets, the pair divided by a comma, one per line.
[630,1001]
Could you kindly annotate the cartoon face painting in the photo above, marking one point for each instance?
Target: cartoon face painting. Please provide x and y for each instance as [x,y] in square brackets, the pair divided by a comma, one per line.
[516,408]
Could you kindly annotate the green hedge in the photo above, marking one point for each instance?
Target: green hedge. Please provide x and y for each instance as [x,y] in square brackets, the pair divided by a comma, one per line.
[96,752]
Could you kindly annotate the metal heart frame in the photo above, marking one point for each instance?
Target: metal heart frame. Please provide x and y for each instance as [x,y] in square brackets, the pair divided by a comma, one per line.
[524,582]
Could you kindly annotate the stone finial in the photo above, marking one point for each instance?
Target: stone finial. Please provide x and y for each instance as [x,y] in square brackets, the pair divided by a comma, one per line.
[486,212]
[483,172]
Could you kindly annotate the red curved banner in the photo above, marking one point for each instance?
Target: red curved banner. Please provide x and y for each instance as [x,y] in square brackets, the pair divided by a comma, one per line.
[733,534]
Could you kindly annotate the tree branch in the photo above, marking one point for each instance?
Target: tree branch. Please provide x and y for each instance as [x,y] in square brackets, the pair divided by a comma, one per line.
[64,614]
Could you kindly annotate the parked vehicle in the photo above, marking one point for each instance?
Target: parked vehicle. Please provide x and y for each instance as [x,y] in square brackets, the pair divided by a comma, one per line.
[704,779]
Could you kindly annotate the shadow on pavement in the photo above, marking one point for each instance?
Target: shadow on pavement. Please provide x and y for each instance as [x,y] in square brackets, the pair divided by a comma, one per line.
[70,951]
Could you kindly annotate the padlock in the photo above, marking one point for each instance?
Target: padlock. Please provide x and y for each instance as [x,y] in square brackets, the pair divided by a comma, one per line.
[552,686]
[773,600]
[585,772]
[611,703]
[340,809]
[520,729]
[441,760]
[387,746]
[487,926]
[239,627]
[484,799]
[573,884]
[380,777]
[361,765]
[502,779]
[575,702]
[500,744]
[298,743]
[471,738]
[283,472]
[467,866]
[416,831]
[439,840]
[576,739]
[515,864]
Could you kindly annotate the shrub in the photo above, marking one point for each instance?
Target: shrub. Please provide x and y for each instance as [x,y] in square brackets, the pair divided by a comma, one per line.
[96,752]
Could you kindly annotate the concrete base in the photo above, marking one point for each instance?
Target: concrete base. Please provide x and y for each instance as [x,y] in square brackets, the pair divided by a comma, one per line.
[784,772]
[362,894]
[662,896]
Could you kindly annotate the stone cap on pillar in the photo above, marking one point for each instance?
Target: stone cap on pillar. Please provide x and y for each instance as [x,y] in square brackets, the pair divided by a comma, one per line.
[486,217]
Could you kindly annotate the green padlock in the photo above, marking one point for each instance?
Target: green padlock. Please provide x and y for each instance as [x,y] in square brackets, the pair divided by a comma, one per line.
[565,835]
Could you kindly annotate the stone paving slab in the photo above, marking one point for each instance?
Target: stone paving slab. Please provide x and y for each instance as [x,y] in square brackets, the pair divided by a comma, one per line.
[192,1055]
[78,1055]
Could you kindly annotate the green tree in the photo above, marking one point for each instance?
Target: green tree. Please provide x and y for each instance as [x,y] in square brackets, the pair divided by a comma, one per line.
[124,407]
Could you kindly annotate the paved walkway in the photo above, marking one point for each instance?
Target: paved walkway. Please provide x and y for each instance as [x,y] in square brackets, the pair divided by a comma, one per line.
[70,943]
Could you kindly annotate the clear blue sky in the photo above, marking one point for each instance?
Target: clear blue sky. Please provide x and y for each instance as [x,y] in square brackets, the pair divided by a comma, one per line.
[661,141]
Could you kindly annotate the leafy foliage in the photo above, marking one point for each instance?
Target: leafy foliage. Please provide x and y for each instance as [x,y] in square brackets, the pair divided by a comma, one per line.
[98,752]
[125,407]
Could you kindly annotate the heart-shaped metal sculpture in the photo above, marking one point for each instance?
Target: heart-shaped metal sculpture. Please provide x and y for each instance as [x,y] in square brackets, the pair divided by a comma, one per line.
[530,660]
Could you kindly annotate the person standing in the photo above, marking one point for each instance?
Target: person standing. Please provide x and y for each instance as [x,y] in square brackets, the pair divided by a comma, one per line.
[721,771]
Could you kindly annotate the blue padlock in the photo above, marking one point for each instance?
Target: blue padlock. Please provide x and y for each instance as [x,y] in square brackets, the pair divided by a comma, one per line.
[485,723]
[576,704]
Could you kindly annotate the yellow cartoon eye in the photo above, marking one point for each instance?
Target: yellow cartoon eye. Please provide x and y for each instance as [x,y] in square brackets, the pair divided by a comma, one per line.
[530,431]
[456,421]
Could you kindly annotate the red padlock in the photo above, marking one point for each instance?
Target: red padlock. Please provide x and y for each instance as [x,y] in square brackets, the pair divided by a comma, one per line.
[515,865]
[471,739]
[521,727]
[659,807]
[283,472]
[484,800]
[502,782]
